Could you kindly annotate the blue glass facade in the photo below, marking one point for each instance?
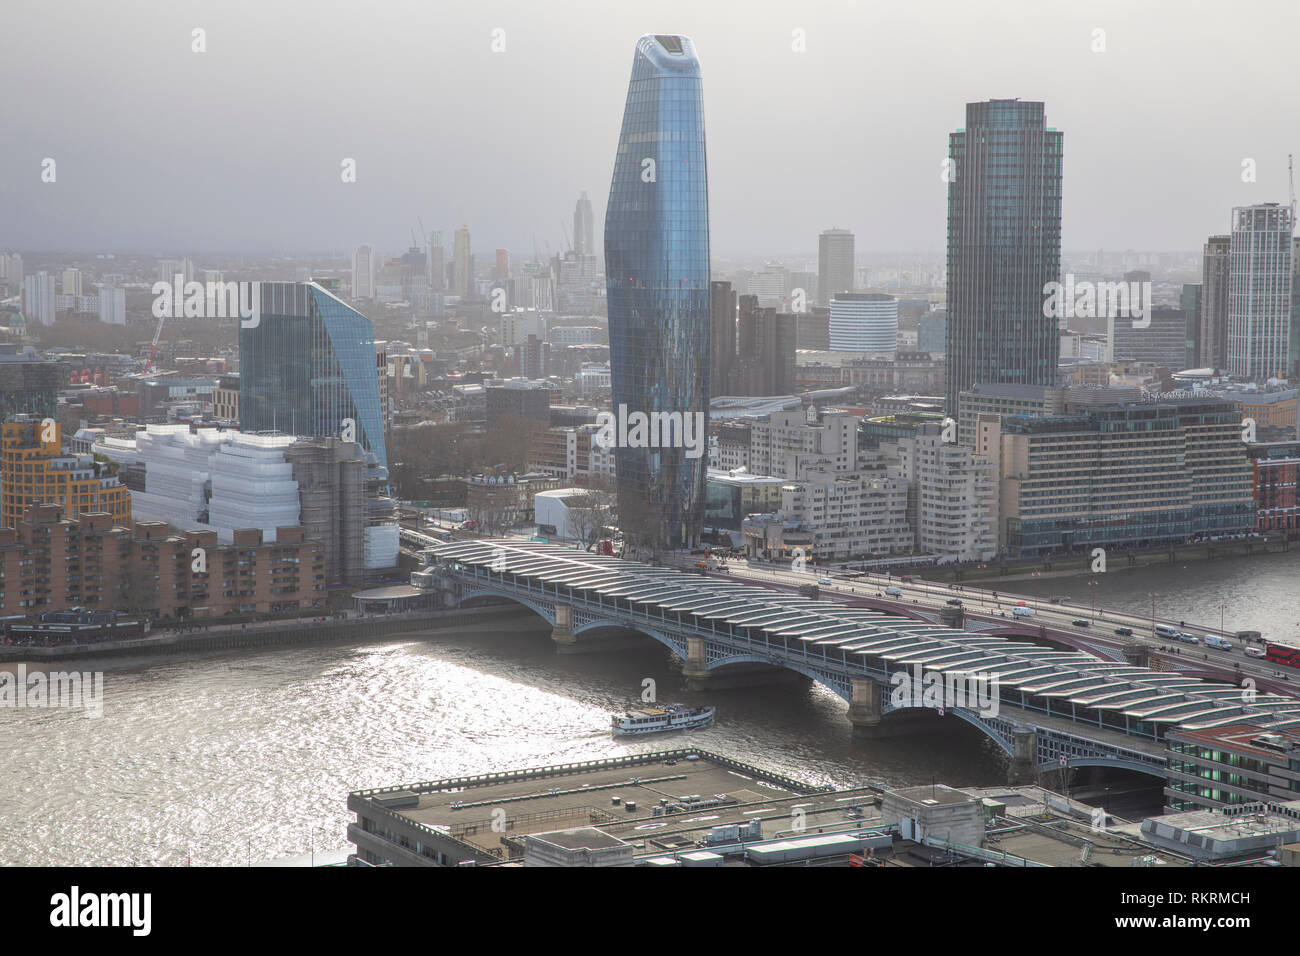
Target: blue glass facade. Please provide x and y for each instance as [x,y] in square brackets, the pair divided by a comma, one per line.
[1004,247]
[309,364]
[657,278]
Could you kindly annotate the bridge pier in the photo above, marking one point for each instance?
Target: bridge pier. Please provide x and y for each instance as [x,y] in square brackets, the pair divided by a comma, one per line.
[1024,758]
[562,633]
[1138,655]
[604,639]
[864,707]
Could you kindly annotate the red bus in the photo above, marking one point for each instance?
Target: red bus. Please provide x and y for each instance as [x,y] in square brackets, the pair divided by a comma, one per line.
[1282,654]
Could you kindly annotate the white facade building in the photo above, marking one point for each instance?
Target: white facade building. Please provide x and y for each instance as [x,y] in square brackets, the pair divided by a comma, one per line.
[953,496]
[210,480]
[789,444]
[864,322]
[112,305]
[38,298]
[850,516]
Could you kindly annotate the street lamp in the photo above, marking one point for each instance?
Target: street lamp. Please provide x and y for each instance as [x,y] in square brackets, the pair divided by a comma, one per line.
[1153,595]
[1092,589]
[1222,607]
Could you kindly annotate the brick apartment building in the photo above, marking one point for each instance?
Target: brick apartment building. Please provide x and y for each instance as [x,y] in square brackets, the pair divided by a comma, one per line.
[50,562]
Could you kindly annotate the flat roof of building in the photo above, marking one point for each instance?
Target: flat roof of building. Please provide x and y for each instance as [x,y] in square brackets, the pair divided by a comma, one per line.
[666,801]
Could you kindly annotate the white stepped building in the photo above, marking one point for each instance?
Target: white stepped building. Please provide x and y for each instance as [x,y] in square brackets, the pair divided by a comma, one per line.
[210,480]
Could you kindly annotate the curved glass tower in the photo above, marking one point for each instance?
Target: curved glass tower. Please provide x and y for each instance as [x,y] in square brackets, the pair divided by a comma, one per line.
[657,281]
[309,364]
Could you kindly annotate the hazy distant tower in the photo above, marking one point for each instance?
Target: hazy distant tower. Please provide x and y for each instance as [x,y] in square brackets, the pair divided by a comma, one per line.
[437,268]
[584,236]
[363,272]
[461,265]
[1004,247]
[834,264]
[657,280]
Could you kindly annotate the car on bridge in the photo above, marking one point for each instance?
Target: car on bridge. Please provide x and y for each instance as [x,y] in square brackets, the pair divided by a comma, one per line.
[1188,638]
[1080,622]
[825,582]
[953,602]
[894,592]
[1124,631]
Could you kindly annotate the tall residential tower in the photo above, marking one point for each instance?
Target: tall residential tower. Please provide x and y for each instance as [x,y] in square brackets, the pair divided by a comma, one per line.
[657,281]
[1004,247]
[1259,292]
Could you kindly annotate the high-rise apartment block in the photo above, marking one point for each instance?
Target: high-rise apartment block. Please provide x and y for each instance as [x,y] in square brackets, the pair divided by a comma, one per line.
[1259,293]
[1004,247]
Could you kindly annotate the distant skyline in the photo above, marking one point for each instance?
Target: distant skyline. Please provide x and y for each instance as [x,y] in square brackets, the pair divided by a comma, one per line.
[238,149]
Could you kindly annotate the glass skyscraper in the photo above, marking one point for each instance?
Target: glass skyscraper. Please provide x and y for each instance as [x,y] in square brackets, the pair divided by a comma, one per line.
[308,365]
[1004,247]
[657,279]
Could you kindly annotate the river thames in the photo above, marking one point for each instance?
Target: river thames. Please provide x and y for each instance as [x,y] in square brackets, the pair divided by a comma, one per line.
[216,759]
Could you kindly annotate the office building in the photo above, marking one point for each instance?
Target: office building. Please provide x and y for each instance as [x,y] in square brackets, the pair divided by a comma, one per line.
[1276,468]
[834,264]
[29,384]
[722,347]
[1161,341]
[657,280]
[308,368]
[1004,247]
[1259,293]
[1237,765]
[763,363]
[932,332]
[1130,475]
[735,495]
[864,322]
[813,330]
[517,397]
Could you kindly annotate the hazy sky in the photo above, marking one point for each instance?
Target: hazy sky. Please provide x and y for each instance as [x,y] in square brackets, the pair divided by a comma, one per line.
[160,149]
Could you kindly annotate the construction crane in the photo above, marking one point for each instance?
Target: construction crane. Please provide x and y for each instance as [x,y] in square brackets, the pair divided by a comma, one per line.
[154,347]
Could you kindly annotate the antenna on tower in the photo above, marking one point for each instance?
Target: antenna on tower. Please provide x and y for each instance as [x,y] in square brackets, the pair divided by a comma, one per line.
[1290,175]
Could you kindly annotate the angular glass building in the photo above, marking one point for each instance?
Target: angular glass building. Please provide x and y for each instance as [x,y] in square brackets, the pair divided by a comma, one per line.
[1004,246]
[308,365]
[657,280]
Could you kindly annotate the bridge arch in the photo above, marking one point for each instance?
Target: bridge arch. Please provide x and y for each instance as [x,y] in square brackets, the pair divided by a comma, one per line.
[542,609]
